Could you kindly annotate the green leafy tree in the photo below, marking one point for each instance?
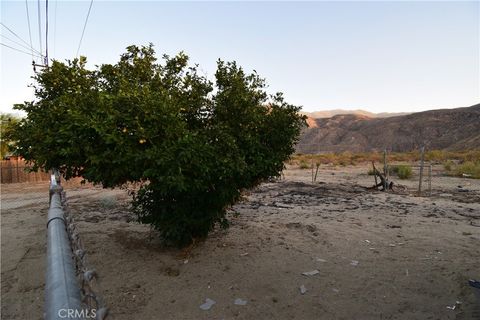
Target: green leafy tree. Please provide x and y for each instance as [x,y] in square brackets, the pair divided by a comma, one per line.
[7,124]
[191,144]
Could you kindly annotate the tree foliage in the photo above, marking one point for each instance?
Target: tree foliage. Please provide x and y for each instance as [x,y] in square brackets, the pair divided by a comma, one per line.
[192,144]
[7,124]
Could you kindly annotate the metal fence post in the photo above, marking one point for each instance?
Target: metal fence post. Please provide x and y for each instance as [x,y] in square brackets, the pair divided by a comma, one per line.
[62,294]
[421,171]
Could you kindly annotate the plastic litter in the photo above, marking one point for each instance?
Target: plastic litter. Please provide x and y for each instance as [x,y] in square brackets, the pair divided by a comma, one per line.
[354,263]
[240,302]
[311,273]
[208,304]
[321,260]
[457,303]
[303,289]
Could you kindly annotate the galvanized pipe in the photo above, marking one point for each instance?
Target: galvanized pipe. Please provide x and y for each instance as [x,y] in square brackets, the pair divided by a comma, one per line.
[62,293]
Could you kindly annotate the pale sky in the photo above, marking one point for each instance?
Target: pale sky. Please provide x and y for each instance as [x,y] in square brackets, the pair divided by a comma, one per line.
[377,56]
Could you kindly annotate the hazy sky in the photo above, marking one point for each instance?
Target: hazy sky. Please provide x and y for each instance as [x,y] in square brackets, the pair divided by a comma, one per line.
[377,56]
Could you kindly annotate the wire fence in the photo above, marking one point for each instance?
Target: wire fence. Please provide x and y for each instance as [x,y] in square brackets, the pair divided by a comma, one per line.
[90,285]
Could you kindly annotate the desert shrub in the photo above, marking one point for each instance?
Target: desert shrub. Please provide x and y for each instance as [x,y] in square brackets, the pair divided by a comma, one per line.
[436,155]
[371,172]
[190,144]
[402,171]
[448,165]
[304,164]
[469,168]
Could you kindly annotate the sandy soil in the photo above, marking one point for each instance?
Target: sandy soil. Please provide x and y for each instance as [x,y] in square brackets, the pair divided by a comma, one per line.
[378,255]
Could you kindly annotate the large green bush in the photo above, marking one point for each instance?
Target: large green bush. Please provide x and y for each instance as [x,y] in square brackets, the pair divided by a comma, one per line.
[191,144]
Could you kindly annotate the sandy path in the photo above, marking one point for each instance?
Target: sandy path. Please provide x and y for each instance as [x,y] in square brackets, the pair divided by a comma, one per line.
[382,255]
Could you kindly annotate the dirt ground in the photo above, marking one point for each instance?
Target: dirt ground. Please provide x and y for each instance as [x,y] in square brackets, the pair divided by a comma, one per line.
[378,255]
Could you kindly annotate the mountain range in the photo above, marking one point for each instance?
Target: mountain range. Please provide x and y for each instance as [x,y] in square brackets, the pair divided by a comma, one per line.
[362,131]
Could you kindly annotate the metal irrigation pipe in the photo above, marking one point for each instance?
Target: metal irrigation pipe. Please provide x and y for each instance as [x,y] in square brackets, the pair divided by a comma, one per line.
[62,293]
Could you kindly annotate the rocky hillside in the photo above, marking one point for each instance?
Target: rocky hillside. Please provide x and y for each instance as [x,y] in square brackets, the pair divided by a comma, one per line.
[453,129]
[358,112]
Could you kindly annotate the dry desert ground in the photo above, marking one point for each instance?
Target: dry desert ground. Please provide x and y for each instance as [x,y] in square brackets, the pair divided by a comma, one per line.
[379,255]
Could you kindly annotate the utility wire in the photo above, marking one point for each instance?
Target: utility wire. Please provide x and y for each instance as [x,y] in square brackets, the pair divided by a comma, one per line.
[20,44]
[29,29]
[26,52]
[46,32]
[55,30]
[16,35]
[40,25]
[84,27]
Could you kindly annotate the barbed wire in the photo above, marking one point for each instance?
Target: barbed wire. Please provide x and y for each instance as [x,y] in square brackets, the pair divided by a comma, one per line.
[90,286]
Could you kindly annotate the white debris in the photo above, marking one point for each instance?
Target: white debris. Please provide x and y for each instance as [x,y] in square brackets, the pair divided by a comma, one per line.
[208,304]
[240,302]
[457,303]
[367,241]
[354,263]
[303,289]
[321,260]
[244,254]
[335,290]
[311,273]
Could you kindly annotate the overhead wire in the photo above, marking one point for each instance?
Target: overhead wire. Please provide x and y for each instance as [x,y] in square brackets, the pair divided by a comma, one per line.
[12,32]
[46,32]
[84,27]
[26,52]
[29,28]
[55,29]
[20,44]
[39,26]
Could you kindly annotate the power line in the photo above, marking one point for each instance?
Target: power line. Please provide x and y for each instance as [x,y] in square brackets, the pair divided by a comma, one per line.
[20,44]
[28,53]
[39,25]
[29,29]
[11,31]
[55,29]
[46,32]
[84,27]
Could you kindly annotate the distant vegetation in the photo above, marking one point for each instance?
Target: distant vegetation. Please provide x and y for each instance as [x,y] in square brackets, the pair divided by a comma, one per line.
[7,123]
[469,169]
[456,163]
